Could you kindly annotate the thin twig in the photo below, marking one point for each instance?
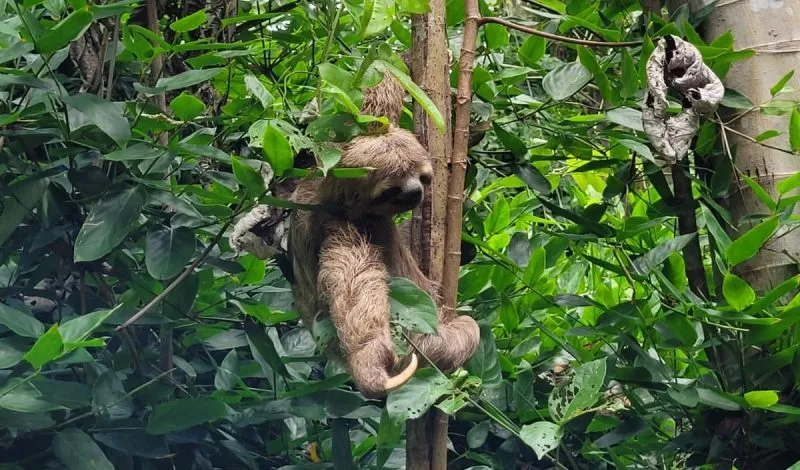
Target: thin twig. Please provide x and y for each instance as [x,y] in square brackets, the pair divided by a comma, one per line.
[555,37]
[185,274]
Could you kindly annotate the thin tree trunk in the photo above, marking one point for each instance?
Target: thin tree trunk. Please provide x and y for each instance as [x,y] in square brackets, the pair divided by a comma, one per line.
[771,29]
[430,70]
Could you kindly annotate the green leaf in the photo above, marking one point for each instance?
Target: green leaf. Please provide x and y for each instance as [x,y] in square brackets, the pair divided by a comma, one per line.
[12,350]
[412,307]
[476,436]
[138,151]
[760,192]
[46,349]
[67,30]
[496,36]
[735,100]
[762,398]
[510,141]
[186,107]
[589,60]
[248,177]
[781,84]
[626,117]
[715,400]
[542,437]
[88,109]
[414,6]
[747,245]
[167,250]
[630,76]
[390,431]
[109,223]
[264,351]
[414,398]
[794,130]
[227,376]
[485,362]
[766,135]
[178,303]
[534,178]
[532,50]
[258,90]
[185,79]
[22,198]
[189,23]
[737,292]
[279,152]
[536,265]
[79,328]
[644,264]
[566,80]
[77,451]
[20,323]
[134,442]
[176,415]
[588,380]
[109,398]
[415,92]
[379,19]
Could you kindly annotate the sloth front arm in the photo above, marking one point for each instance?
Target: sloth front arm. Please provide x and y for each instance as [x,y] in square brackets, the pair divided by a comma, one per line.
[353,280]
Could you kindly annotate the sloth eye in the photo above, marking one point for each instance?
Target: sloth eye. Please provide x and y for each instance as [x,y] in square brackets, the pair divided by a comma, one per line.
[388,195]
[425,178]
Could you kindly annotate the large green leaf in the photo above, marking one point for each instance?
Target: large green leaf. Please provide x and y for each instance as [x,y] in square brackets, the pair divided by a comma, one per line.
[279,152]
[77,451]
[412,307]
[737,292]
[46,349]
[176,415]
[21,200]
[566,80]
[644,264]
[485,362]
[67,30]
[167,250]
[20,323]
[748,244]
[87,109]
[418,394]
[542,437]
[109,223]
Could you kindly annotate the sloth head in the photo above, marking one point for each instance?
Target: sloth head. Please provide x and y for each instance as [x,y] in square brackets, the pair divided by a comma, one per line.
[399,172]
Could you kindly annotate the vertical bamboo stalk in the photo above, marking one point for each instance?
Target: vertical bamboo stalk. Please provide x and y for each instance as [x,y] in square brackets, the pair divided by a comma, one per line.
[458,170]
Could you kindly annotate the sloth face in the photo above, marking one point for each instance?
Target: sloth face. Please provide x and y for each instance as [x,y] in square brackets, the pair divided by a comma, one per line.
[396,195]
[399,170]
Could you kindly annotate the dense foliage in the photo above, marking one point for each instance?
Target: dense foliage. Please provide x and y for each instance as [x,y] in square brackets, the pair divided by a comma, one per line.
[595,352]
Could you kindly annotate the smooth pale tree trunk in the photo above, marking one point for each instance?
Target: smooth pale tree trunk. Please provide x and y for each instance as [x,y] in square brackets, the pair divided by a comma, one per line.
[772,29]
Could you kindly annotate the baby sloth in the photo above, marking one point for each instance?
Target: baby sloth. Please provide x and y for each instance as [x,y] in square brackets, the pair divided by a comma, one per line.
[342,260]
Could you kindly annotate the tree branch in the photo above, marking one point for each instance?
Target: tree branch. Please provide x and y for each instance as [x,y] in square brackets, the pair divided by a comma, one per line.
[185,274]
[554,37]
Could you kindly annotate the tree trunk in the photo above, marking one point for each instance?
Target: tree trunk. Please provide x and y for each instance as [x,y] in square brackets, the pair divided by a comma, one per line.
[771,29]
[431,71]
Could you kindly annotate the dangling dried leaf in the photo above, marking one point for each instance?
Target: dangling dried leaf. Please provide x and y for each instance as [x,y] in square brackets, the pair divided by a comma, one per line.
[678,65]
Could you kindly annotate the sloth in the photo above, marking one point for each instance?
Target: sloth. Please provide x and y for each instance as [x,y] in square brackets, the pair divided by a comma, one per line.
[342,259]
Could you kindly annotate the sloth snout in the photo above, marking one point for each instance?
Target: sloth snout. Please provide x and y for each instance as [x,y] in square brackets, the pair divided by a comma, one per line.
[410,192]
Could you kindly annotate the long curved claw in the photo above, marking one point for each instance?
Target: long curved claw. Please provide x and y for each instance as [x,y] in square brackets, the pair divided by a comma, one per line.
[404,376]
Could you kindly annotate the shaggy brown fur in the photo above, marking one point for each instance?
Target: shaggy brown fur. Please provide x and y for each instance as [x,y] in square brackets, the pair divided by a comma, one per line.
[342,262]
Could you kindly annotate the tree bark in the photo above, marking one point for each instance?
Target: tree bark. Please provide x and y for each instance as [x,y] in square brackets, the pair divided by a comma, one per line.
[769,28]
[431,71]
